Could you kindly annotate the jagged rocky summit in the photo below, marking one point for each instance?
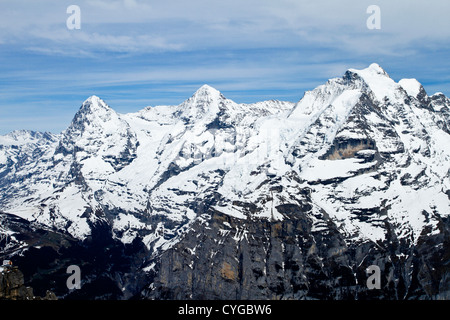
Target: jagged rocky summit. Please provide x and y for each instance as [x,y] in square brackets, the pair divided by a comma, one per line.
[212,199]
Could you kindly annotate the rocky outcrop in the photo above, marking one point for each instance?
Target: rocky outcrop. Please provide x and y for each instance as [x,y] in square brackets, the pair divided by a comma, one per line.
[12,287]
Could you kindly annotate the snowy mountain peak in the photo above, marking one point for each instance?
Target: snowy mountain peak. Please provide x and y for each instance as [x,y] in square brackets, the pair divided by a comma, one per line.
[93,111]
[373,70]
[205,101]
[92,98]
[99,131]
[375,67]
[378,81]
[94,104]
[207,93]
[206,90]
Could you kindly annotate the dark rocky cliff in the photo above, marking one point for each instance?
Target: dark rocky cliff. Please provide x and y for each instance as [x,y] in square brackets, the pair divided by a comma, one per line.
[226,258]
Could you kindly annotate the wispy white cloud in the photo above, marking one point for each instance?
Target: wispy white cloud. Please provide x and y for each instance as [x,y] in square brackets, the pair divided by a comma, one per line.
[89,44]
[138,26]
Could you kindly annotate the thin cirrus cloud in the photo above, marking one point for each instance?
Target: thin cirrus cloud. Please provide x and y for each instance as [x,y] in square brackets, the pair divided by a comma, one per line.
[173,25]
[130,51]
[94,44]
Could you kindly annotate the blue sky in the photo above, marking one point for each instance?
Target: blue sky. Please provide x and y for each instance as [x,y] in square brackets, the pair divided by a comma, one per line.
[134,53]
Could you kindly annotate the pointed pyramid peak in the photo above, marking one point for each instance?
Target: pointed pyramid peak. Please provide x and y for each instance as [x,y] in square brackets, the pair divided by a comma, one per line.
[94,101]
[95,105]
[206,87]
[93,110]
[206,90]
[206,95]
[93,98]
[206,100]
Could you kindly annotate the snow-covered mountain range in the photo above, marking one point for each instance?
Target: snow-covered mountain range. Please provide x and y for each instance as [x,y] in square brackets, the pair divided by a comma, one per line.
[362,155]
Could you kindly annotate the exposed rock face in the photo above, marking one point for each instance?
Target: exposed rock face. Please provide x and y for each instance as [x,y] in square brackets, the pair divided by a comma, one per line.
[223,258]
[12,287]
